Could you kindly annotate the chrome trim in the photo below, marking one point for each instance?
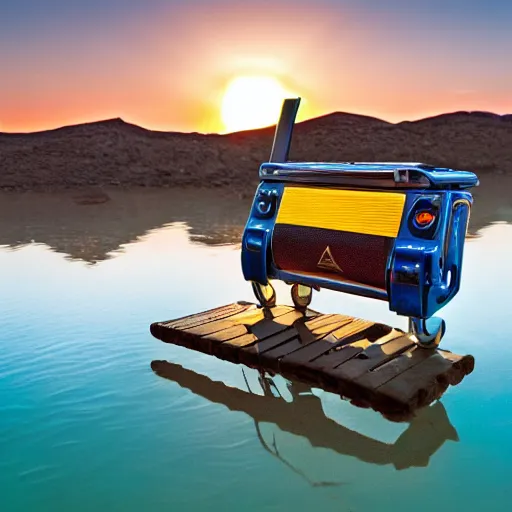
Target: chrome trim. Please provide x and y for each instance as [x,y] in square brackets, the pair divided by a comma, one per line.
[455,204]
[376,174]
[331,284]
[428,331]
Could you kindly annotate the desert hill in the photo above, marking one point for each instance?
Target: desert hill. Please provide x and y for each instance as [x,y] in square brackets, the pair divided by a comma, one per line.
[115,153]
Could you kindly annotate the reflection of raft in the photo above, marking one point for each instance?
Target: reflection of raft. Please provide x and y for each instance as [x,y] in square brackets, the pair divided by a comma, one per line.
[304,416]
[372,364]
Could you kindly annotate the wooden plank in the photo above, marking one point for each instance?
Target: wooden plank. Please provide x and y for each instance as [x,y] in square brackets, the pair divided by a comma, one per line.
[246,317]
[371,364]
[208,316]
[182,330]
[387,370]
[215,333]
[270,358]
[231,349]
[262,330]
[323,320]
[250,355]
[269,327]
[195,317]
[234,331]
[347,372]
[271,337]
[425,382]
[345,352]
[349,330]
[383,372]
[307,332]
[460,366]
[334,349]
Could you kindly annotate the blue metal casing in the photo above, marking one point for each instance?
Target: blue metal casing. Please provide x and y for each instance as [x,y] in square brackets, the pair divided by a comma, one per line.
[423,271]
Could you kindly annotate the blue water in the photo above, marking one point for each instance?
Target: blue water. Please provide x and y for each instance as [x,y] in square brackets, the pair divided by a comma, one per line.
[86,425]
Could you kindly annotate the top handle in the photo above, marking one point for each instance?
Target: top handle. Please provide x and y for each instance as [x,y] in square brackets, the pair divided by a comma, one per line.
[284,131]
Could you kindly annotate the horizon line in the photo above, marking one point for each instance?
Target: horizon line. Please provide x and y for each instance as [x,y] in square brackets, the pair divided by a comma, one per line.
[483,113]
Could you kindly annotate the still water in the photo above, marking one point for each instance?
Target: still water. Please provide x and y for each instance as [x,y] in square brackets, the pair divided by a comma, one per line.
[86,425]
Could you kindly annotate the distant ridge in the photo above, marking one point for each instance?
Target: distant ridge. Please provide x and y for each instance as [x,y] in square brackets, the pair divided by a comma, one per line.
[115,122]
[113,152]
[465,114]
[324,118]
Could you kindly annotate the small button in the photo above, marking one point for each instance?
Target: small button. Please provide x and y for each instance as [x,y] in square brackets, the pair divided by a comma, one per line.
[254,240]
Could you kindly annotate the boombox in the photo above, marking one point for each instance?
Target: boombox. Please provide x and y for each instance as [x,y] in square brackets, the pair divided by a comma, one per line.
[388,231]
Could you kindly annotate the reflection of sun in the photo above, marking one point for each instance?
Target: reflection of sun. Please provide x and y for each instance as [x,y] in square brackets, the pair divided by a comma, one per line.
[252,102]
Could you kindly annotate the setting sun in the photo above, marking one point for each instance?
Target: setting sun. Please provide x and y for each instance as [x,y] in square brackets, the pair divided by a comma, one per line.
[252,102]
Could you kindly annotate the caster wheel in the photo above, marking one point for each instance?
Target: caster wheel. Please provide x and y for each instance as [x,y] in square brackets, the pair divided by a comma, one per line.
[265,294]
[301,296]
[428,331]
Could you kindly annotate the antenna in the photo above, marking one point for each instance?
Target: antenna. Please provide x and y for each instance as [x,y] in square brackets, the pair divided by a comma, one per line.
[284,130]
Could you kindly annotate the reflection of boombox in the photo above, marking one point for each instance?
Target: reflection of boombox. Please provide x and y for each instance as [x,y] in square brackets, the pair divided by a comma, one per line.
[389,231]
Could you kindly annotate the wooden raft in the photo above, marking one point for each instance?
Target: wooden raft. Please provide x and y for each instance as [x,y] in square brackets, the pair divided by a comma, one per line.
[372,364]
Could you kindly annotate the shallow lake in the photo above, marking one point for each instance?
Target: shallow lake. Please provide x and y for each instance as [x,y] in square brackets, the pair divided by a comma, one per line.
[85,424]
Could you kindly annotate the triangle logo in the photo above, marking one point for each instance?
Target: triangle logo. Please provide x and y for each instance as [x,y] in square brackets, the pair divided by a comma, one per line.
[326,261]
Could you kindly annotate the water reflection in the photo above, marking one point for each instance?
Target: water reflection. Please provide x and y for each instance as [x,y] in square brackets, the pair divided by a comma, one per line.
[304,416]
[92,232]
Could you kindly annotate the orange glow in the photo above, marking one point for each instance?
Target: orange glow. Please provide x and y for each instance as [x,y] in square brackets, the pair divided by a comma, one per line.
[168,69]
[252,102]
[424,218]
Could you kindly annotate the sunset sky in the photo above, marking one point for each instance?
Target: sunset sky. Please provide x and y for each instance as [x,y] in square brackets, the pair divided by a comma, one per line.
[166,64]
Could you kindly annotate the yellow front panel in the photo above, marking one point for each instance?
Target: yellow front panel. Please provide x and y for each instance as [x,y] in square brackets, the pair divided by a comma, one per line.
[356,211]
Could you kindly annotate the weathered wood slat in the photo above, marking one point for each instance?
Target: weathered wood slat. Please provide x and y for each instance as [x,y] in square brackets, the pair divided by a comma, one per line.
[422,383]
[349,330]
[209,316]
[251,355]
[372,364]
[335,349]
[247,317]
[307,332]
[262,330]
